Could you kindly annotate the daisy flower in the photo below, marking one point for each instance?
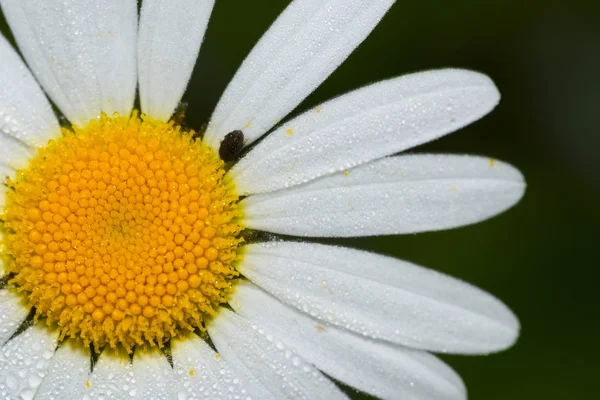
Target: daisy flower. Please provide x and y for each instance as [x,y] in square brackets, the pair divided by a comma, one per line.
[128,270]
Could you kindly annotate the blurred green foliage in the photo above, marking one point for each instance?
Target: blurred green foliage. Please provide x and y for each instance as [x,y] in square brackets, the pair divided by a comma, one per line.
[540,257]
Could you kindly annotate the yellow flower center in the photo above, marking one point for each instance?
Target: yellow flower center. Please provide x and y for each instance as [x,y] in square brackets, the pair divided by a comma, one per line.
[122,232]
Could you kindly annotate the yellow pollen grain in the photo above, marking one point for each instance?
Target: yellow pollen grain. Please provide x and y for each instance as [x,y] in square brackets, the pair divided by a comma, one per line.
[289,132]
[122,232]
[192,372]
[492,162]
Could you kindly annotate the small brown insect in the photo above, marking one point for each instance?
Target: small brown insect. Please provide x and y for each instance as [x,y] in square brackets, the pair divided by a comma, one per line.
[231,145]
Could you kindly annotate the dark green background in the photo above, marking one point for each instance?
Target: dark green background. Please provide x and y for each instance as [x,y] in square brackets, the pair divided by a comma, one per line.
[540,257]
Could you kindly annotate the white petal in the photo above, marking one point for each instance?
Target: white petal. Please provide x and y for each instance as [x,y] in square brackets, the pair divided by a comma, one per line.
[382,370]
[170,35]
[381,297]
[309,40]
[24,361]
[364,125]
[405,194]
[270,370]
[25,113]
[5,172]
[67,374]
[201,374]
[13,311]
[153,375]
[13,153]
[112,378]
[83,53]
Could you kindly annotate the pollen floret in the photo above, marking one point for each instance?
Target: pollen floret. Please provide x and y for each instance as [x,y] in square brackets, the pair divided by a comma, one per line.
[122,232]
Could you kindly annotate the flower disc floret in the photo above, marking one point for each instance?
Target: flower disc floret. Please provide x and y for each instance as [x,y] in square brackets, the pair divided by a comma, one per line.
[122,232]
